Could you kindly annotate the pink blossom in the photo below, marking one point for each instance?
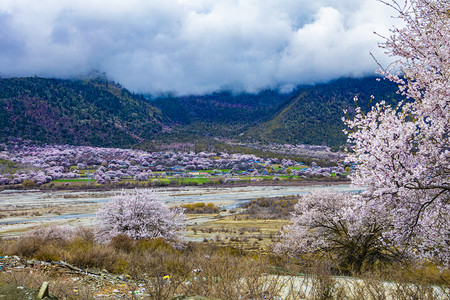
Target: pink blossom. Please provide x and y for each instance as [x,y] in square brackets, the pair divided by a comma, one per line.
[402,153]
[139,214]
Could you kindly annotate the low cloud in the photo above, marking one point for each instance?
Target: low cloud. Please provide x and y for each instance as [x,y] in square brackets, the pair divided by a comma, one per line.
[196,46]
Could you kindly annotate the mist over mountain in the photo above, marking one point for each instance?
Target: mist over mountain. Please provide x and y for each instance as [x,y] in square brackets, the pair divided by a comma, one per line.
[194,47]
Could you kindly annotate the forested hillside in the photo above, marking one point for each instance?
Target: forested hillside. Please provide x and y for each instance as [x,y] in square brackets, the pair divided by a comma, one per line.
[102,113]
[308,115]
[219,114]
[80,112]
[313,114]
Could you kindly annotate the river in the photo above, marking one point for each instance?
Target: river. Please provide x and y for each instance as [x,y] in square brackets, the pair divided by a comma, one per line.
[22,210]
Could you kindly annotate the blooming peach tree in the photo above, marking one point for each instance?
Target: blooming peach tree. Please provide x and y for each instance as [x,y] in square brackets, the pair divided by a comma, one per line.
[328,224]
[139,215]
[402,153]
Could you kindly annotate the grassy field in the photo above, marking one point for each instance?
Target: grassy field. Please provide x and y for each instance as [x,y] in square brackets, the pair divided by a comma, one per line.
[170,180]
[248,235]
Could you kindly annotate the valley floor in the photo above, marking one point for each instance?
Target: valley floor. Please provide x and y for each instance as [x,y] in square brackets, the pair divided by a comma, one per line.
[25,209]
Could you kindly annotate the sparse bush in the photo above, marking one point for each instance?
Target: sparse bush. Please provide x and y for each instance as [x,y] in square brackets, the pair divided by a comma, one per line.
[28,183]
[211,271]
[270,208]
[25,246]
[54,232]
[200,208]
[89,255]
[122,242]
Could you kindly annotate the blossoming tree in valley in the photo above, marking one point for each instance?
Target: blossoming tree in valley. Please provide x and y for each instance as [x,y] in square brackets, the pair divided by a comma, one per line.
[139,215]
[327,224]
[402,153]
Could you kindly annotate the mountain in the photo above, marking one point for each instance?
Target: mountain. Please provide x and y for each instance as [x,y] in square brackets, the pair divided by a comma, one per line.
[309,115]
[313,114]
[102,113]
[219,114]
[81,112]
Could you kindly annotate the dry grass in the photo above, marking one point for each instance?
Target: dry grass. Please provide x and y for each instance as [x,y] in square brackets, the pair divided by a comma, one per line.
[61,285]
[211,270]
[245,234]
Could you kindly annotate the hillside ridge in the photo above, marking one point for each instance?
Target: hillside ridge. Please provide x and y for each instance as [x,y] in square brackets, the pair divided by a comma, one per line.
[80,112]
[98,112]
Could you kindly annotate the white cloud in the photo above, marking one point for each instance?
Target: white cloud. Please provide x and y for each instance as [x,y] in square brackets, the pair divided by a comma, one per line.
[193,46]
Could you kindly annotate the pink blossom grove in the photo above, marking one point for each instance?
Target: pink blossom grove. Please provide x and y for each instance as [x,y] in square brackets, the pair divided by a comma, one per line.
[140,215]
[402,153]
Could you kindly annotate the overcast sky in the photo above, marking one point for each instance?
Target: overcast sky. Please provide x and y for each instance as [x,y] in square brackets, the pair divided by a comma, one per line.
[193,46]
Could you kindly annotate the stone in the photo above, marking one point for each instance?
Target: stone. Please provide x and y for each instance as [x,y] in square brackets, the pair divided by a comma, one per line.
[43,292]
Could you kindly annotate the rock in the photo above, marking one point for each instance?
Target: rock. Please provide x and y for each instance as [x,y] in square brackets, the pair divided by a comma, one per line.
[43,292]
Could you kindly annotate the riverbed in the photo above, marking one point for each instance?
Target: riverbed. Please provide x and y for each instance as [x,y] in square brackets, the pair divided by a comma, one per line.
[24,210]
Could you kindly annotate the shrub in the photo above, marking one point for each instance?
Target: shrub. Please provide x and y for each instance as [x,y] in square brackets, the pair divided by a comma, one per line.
[28,183]
[270,208]
[122,242]
[200,208]
[88,255]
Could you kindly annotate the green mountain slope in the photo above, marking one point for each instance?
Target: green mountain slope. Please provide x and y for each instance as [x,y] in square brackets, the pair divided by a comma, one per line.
[90,112]
[312,114]
[101,113]
[219,114]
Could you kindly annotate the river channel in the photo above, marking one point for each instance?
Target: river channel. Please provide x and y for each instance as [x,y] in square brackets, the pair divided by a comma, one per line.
[23,210]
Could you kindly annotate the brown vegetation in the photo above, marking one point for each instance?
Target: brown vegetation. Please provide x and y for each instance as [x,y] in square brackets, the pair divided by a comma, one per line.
[164,270]
[270,208]
[200,208]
